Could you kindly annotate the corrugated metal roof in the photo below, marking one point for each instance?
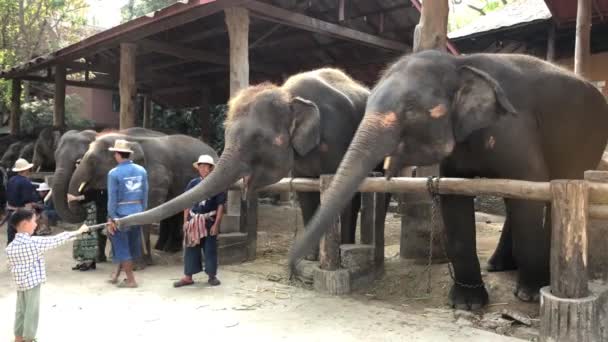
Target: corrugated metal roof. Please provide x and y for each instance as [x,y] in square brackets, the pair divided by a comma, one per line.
[513,14]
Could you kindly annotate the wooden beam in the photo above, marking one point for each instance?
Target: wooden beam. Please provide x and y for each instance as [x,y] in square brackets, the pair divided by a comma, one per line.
[264,36]
[59,97]
[582,49]
[89,84]
[279,15]
[127,85]
[198,36]
[14,124]
[341,11]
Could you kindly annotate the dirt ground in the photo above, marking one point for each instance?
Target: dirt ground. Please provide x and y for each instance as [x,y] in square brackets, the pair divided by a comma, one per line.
[257,301]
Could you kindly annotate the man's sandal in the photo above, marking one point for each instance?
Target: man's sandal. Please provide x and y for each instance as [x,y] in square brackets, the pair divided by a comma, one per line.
[182,282]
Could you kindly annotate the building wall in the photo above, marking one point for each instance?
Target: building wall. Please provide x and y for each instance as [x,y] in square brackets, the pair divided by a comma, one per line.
[97,105]
[598,72]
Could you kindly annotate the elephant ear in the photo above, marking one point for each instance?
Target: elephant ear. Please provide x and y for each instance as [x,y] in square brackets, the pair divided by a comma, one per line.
[479,102]
[138,156]
[305,130]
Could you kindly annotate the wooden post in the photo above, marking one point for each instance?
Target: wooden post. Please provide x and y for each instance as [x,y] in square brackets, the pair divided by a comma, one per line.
[147,111]
[380,214]
[251,222]
[59,100]
[551,43]
[329,250]
[568,312]
[582,50]
[373,211]
[368,207]
[237,22]
[432,30]
[14,124]
[597,236]
[127,86]
[205,115]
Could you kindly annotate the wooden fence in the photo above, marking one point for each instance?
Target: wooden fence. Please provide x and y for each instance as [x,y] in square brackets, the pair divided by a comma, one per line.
[569,312]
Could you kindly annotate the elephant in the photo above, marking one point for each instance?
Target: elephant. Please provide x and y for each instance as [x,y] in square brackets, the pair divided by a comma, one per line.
[27,151]
[167,159]
[303,126]
[44,148]
[480,115]
[12,153]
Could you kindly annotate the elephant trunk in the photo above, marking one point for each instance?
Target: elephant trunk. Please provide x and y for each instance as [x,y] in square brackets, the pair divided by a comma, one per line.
[70,212]
[373,141]
[227,171]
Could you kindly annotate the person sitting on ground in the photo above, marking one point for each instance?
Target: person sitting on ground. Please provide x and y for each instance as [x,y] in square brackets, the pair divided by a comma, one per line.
[25,255]
[201,227]
[20,193]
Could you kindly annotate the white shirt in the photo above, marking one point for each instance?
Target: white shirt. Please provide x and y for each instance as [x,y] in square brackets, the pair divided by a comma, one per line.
[25,255]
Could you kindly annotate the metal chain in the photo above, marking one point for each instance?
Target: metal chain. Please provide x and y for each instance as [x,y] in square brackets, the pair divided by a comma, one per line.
[432,185]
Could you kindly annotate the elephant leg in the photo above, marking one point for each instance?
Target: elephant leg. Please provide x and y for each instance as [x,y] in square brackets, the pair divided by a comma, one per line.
[468,291]
[309,202]
[163,235]
[174,233]
[530,247]
[348,220]
[101,216]
[147,255]
[502,259]
[102,240]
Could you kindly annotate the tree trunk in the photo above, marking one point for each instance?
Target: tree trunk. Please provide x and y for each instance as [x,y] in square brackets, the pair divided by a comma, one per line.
[59,100]
[14,125]
[432,30]
[582,51]
[128,90]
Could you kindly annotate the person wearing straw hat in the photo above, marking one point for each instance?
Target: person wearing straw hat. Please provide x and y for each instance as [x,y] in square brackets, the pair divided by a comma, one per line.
[20,193]
[127,194]
[201,227]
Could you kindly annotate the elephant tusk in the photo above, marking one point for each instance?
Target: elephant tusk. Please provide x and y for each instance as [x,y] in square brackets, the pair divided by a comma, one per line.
[38,168]
[81,187]
[387,163]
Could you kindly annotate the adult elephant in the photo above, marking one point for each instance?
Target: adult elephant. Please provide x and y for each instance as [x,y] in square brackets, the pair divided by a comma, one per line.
[27,151]
[44,148]
[495,116]
[12,153]
[303,126]
[167,159]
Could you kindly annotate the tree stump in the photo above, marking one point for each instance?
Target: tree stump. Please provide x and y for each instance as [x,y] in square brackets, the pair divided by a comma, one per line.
[565,319]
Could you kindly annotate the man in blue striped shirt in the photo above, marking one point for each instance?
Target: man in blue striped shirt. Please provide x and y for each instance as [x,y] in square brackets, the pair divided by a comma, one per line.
[25,255]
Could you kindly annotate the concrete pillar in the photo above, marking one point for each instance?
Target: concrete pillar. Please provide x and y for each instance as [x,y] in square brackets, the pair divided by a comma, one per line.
[127,87]
[59,98]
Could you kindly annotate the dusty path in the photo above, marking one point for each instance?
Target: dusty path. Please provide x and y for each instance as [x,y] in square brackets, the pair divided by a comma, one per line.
[79,306]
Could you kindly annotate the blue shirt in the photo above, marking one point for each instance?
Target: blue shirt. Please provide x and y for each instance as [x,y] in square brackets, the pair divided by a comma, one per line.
[20,191]
[127,190]
[207,205]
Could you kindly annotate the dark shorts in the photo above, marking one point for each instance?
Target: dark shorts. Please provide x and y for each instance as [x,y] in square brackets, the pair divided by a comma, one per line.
[126,244]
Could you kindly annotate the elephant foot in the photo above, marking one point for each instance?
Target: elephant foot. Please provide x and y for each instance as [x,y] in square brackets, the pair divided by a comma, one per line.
[463,298]
[171,249]
[527,293]
[499,262]
[148,260]
[312,257]
[101,258]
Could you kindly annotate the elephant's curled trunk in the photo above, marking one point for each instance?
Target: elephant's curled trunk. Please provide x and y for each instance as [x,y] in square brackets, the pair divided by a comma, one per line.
[225,174]
[370,145]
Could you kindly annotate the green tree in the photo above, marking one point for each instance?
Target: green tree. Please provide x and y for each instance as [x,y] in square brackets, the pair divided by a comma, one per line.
[39,113]
[137,8]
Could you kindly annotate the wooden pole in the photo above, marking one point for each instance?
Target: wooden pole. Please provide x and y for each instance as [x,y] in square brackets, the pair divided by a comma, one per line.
[568,311]
[569,238]
[14,124]
[205,115]
[368,207]
[432,30]
[237,22]
[582,50]
[551,43]
[147,111]
[128,90]
[329,250]
[597,234]
[59,99]
[379,215]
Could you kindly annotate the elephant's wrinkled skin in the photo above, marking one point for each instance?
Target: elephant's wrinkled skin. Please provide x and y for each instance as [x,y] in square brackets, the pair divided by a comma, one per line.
[167,159]
[495,116]
[12,153]
[303,126]
[44,148]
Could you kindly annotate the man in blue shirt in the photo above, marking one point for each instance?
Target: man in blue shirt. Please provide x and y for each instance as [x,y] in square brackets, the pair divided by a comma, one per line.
[201,227]
[127,194]
[20,193]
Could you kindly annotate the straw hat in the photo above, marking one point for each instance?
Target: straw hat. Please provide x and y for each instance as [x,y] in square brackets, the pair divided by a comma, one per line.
[43,187]
[204,159]
[22,165]
[121,145]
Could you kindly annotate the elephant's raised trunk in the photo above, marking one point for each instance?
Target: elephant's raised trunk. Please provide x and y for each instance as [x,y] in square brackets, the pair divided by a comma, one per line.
[227,171]
[71,212]
[375,138]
